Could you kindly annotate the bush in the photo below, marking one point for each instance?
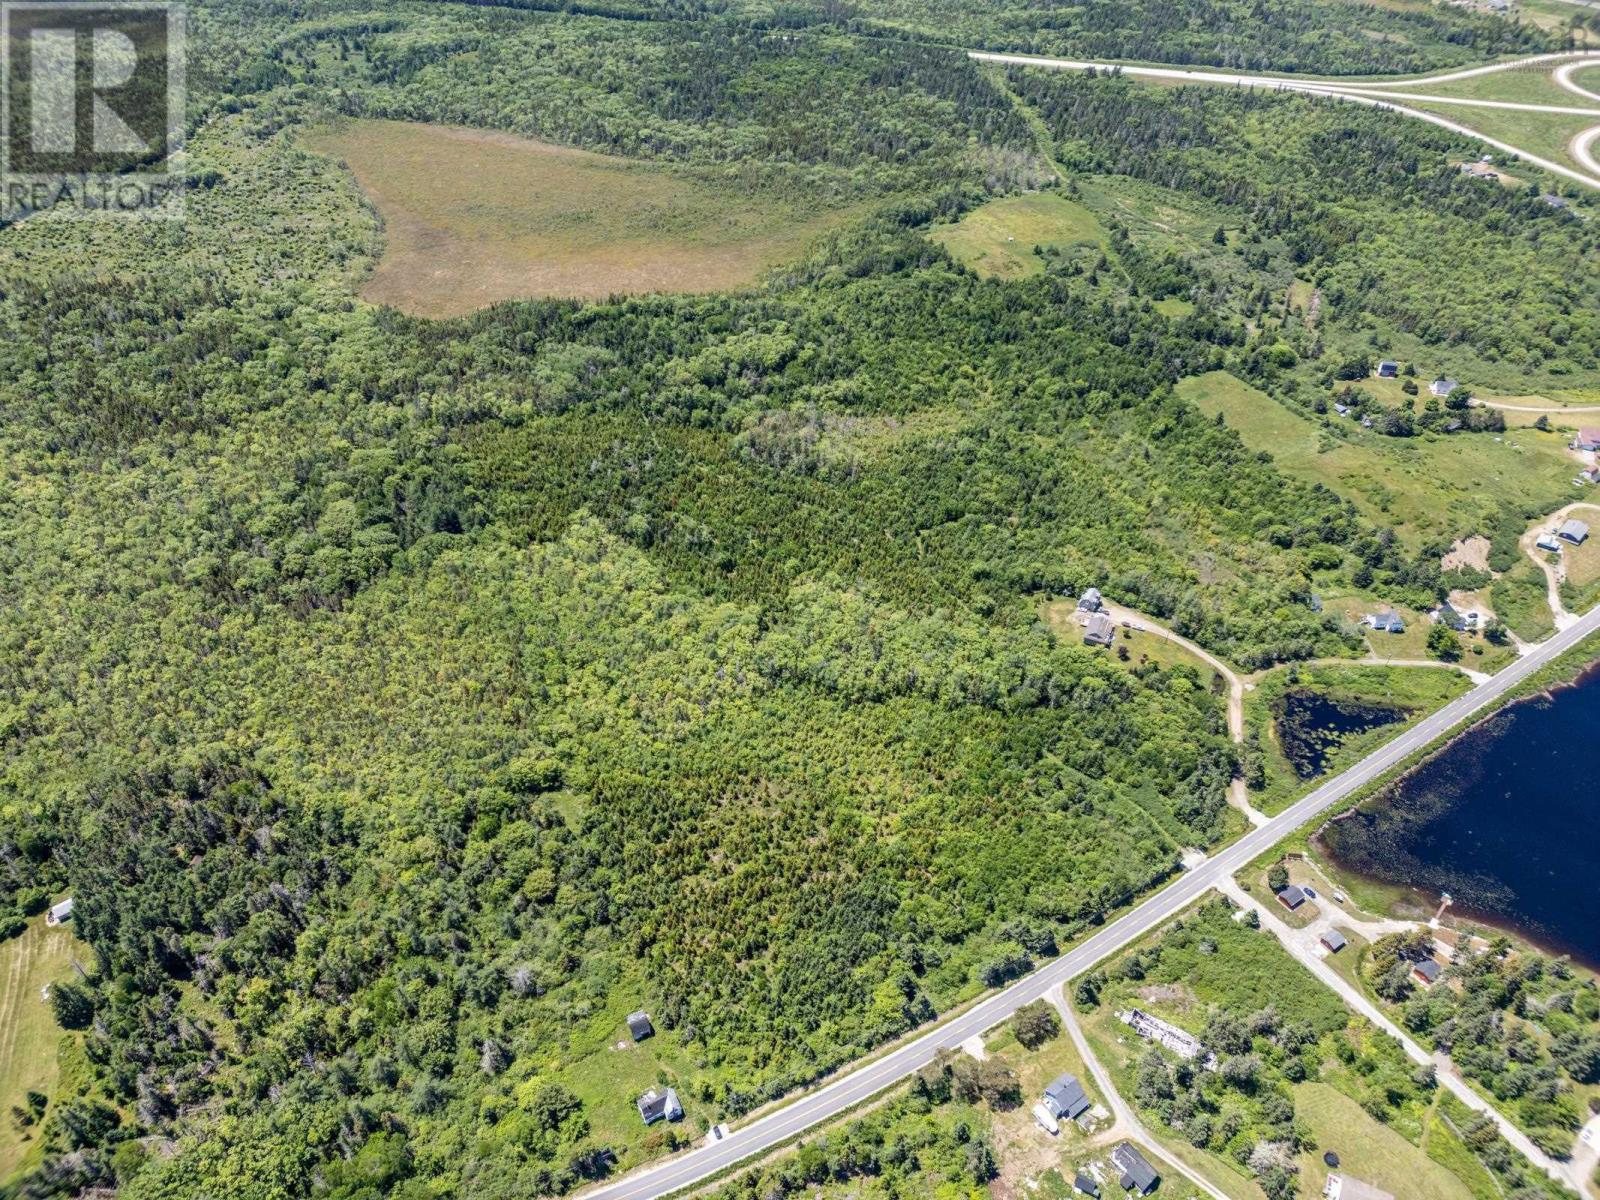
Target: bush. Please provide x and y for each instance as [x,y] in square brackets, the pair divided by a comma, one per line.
[1035,1024]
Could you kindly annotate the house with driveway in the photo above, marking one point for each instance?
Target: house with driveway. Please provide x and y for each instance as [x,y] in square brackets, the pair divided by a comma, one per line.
[1574,531]
[1587,439]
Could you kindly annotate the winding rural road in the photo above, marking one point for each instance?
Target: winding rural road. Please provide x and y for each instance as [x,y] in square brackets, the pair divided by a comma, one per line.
[1301,944]
[827,1102]
[844,1092]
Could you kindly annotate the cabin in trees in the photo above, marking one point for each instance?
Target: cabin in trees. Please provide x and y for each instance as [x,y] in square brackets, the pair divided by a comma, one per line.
[639,1026]
[1099,630]
[1574,531]
[1292,897]
[1090,601]
[1587,439]
[1447,615]
[660,1106]
[1065,1097]
[1137,1174]
[60,914]
[1342,1187]
[1426,972]
[1333,940]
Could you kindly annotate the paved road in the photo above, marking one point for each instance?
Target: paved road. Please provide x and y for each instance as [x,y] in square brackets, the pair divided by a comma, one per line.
[1380,95]
[846,1091]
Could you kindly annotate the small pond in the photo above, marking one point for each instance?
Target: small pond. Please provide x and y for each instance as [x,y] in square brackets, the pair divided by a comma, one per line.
[1310,725]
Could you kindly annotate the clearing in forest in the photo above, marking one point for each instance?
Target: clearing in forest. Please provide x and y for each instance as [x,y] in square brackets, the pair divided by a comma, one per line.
[998,239]
[475,217]
[29,1035]
[1429,486]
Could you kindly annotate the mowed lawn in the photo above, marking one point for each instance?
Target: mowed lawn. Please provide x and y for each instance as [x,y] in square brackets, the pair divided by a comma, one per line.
[473,217]
[1429,486]
[997,239]
[29,1035]
[1368,1151]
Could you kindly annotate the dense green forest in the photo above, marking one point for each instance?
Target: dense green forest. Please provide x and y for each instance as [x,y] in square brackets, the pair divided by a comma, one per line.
[405,702]
[1371,209]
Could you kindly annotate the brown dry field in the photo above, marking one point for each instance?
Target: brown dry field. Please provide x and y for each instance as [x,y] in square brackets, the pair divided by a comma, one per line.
[474,217]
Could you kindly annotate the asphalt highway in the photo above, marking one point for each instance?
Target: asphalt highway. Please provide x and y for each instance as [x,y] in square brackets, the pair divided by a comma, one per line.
[860,1083]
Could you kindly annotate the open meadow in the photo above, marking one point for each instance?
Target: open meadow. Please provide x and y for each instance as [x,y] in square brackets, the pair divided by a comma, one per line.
[540,220]
[1428,487]
[998,239]
[29,1035]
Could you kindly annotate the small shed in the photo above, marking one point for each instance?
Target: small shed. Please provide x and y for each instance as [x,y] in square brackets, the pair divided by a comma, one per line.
[1292,897]
[639,1025]
[1388,369]
[1085,1185]
[1574,531]
[60,913]
[1334,941]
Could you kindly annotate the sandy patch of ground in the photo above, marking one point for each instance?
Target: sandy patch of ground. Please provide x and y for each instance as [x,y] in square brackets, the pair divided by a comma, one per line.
[1472,552]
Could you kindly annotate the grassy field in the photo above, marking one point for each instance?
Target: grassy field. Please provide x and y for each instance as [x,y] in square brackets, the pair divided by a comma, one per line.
[1142,647]
[1367,1150]
[1541,133]
[1426,487]
[997,239]
[29,1035]
[540,220]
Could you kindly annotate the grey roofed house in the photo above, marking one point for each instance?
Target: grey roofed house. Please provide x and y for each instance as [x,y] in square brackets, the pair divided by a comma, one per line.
[1137,1173]
[660,1106]
[1100,630]
[1443,387]
[1387,622]
[1574,531]
[1315,602]
[1085,1185]
[1427,971]
[1388,369]
[1291,897]
[639,1025]
[1090,601]
[1448,616]
[61,912]
[1334,941]
[1553,200]
[1065,1098]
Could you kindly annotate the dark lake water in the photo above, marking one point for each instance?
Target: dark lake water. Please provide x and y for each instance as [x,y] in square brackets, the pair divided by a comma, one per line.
[1310,726]
[1507,820]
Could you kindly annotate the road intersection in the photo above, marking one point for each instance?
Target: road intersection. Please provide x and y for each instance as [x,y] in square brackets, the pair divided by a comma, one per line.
[1390,94]
[861,1083]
